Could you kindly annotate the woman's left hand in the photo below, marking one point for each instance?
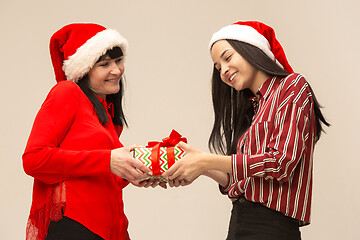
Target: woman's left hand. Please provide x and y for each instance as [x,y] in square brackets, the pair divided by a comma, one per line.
[189,168]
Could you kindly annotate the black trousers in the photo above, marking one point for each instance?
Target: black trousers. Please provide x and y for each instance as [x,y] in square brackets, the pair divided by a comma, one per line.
[68,229]
[253,221]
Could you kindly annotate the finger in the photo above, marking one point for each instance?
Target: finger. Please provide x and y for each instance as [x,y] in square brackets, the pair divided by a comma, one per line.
[140,176]
[133,146]
[142,183]
[163,185]
[183,145]
[126,176]
[121,172]
[171,183]
[129,176]
[134,174]
[155,184]
[176,175]
[176,183]
[126,149]
[135,183]
[147,183]
[185,182]
[139,165]
[171,170]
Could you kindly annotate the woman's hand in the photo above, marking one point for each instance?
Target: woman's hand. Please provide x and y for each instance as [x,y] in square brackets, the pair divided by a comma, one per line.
[176,182]
[122,164]
[149,183]
[189,168]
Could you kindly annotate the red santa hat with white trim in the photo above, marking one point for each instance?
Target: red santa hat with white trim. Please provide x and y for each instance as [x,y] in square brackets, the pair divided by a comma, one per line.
[76,47]
[257,34]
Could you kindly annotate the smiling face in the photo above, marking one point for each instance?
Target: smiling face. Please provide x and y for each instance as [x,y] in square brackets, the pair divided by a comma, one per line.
[105,75]
[234,70]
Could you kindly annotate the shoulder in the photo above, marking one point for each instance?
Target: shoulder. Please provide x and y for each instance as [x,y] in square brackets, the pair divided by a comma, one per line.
[64,92]
[295,90]
[295,87]
[294,81]
[65,88]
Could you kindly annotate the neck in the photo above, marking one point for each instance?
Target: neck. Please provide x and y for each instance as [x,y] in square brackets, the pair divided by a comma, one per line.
[260,78]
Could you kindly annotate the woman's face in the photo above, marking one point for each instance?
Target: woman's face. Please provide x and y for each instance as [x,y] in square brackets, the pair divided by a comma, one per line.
[105,75]
[234,70]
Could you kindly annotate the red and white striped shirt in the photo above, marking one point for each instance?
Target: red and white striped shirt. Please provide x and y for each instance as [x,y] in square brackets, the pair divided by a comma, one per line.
[274,159]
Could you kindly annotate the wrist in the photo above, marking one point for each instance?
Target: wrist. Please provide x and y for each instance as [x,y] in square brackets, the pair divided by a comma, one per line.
[207,163]
[208,173]
[217,162]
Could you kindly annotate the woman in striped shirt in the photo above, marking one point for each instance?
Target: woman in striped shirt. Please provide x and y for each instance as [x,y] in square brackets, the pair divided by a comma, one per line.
[267,121]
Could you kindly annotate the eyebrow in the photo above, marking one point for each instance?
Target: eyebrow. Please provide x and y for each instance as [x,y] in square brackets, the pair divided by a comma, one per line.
[102,60]
[222,54]
[107,58]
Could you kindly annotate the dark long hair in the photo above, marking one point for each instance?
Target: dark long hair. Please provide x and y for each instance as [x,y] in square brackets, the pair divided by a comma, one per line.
[234,111]
[115,99]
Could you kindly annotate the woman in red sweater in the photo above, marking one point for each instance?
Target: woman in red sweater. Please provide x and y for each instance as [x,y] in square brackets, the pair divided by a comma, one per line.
[73,152]
[267,121]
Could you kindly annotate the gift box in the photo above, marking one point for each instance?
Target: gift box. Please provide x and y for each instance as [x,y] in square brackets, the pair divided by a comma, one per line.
[160,156]
[165,160]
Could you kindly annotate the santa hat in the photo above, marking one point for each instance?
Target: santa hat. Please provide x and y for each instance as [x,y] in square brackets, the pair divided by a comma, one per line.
[76,47]
[257,34]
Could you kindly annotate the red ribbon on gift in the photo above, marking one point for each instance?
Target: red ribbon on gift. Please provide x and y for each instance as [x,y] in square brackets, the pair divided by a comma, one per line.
[168,142]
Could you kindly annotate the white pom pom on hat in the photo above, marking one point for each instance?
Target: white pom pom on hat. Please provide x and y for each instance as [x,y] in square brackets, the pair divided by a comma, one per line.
[76,47]
[257,34]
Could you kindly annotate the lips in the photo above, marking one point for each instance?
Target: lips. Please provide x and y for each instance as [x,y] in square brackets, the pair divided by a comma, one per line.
[113,80]
[232,77]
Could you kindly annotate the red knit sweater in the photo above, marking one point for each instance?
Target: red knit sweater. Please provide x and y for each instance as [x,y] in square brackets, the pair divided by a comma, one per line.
[68,154]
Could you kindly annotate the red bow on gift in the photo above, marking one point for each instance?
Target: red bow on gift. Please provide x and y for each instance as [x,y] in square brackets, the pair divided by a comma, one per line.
[168,142]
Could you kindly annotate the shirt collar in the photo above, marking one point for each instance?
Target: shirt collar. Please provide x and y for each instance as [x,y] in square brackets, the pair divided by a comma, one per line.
[107,105]
[268,86]
[103,101]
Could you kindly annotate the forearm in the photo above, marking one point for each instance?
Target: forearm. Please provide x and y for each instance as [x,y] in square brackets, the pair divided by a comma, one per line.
[52,165]
[197,162]
[217,176]
[217,162]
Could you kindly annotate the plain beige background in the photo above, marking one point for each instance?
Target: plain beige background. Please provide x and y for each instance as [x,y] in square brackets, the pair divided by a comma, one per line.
[168,73]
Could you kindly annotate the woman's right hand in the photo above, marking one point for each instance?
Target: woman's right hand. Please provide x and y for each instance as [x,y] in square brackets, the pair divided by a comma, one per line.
[123,165]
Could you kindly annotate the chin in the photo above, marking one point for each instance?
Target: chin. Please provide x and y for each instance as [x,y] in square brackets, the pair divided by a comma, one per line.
[238,88]
[114,91]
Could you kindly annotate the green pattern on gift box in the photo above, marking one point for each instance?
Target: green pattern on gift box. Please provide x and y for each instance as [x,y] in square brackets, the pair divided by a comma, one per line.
[143,155]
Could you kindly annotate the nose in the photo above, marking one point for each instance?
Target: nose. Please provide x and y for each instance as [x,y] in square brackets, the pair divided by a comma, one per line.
[115,69]
[224,69]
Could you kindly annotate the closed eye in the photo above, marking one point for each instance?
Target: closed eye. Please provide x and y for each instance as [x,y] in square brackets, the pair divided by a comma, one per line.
[103,64]
[119,59]
[228,57]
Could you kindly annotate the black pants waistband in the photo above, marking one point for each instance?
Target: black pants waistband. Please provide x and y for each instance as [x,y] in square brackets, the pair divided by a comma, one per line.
[250,220]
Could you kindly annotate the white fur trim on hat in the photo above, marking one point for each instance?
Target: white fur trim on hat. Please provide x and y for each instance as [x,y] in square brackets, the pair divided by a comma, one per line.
[245,34]
[79,64]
